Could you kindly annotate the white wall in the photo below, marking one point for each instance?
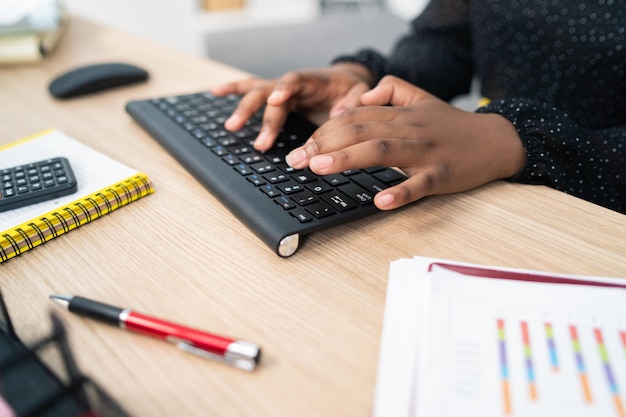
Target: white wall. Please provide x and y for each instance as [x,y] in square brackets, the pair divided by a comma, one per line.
[183,24]
[406,9]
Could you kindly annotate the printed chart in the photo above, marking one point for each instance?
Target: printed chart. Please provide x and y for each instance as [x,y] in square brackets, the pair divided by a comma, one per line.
[509,348]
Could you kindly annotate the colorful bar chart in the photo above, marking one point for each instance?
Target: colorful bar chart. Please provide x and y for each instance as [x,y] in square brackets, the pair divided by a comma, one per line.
[601,357]
[505,348]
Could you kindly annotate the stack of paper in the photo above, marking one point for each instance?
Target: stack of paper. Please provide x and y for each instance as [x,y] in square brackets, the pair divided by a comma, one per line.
[465,340]
[29,29]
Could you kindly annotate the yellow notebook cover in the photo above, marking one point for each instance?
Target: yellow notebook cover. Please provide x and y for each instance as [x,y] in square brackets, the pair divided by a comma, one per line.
[104,185]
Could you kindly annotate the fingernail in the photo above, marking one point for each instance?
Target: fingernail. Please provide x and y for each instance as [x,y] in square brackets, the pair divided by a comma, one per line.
[295,157]
[385,200]
[276,95]
[337,111]
[234,119]
[320,163]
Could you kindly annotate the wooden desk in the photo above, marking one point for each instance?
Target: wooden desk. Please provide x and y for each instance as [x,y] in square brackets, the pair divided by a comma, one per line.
[179,254]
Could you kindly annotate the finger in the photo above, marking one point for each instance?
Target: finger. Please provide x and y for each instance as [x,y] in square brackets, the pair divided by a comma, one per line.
[394,91]
[288,86]
[224,89]
[350,101]
[372,152]
[249,104]
[361,145]
[348,128]
[273,119]
[237,87]
[419,185]
[356,119]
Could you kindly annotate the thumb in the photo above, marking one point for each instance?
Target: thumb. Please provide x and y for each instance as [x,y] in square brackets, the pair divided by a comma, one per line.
[392,90]
[351,100]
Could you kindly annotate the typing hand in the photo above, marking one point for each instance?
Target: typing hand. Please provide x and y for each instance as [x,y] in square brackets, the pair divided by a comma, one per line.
[442,149]
[332,89]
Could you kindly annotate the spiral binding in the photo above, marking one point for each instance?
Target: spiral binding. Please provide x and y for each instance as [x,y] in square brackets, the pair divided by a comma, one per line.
[84,210]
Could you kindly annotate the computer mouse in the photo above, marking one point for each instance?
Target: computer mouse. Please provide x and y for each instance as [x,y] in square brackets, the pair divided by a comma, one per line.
[97,77]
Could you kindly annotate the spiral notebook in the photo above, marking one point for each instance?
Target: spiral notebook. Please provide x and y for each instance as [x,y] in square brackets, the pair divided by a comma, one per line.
[104,185]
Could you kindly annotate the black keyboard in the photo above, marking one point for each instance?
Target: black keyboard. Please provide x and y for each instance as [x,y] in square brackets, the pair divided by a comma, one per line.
[278,203]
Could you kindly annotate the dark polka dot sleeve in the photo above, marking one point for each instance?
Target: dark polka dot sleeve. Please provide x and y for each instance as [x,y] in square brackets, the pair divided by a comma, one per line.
[589,164]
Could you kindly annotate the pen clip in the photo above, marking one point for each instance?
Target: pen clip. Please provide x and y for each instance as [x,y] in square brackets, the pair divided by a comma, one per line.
[242,355]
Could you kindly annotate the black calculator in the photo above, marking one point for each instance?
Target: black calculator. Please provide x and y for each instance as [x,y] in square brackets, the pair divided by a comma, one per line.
[35,182]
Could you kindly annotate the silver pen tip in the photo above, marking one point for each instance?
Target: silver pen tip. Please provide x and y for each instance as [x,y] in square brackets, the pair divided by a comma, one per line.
[61,299]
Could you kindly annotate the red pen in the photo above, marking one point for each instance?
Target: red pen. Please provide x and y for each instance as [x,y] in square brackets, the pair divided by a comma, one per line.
[243,355]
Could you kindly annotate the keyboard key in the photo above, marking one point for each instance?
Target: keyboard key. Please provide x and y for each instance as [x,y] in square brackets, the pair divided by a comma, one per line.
[244,169]
[290,188]
[320,210]
[285,202]
[302,215]
[276,178]
[262,167]
[389,176]
[335,180]
[340,201]
[368,182]
[359,194]
[305,176]
[319,187]
[270,190]
[256,179]
[305,198]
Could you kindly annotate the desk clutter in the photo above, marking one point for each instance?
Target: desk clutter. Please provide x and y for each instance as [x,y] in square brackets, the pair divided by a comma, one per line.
[104,185]
[463,339]
[29,31]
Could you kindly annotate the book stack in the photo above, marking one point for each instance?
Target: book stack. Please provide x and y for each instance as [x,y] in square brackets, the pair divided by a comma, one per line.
[30,30]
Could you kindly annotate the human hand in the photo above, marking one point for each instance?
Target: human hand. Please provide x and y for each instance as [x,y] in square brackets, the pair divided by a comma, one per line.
[442,149]
[332,89]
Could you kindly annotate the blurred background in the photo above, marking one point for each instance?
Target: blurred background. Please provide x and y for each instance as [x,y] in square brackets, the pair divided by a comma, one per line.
[264,37]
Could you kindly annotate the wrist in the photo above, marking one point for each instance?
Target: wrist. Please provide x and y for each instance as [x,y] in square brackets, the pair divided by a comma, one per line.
[506,145]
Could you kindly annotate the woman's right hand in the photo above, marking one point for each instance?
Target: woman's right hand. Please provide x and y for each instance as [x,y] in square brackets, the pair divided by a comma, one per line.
[333,89]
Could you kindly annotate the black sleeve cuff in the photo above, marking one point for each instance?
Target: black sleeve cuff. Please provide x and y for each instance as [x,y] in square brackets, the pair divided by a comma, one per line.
[378,65]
